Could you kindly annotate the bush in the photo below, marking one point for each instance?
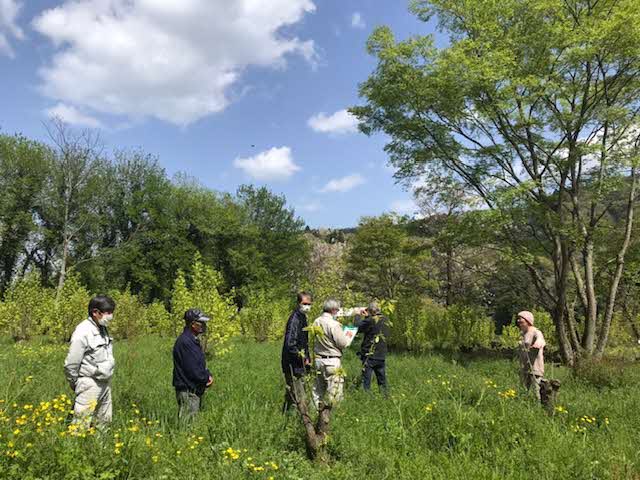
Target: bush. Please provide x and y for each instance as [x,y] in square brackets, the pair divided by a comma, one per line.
[601,373]
[130,319]
[71,308]
[265,315]
[420,324]
[158,320]
[28,309]
[203,292]
[621,334]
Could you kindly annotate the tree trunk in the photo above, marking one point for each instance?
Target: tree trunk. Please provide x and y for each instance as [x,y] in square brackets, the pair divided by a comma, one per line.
[591,313]
[315,435]
[63,267]
[449,294]
[561,265]
[615,282]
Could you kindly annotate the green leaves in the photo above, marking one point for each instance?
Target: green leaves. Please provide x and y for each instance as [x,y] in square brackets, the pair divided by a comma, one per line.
[203,290]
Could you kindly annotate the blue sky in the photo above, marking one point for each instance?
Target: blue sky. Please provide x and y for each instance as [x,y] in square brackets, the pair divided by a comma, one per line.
[227,91]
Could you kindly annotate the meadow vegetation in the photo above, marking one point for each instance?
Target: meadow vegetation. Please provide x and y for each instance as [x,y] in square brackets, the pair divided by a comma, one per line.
[447,416]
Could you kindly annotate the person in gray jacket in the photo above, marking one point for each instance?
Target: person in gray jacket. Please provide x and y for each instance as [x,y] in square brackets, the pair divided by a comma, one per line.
[90,364]
[328,347]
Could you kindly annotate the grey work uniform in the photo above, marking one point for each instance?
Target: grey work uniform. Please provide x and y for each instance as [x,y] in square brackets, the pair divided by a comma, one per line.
[89,367]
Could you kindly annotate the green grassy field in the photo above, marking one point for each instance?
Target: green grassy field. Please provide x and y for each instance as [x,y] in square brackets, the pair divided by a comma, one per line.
[443,419]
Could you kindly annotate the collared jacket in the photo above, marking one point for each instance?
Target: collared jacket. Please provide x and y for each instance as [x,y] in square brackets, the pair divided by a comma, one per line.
[295,348]
[189,364]
[376,332]
[90,354]
[333,341]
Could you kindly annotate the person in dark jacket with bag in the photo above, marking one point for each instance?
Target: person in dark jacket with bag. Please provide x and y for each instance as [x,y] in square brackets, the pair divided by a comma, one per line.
[373,352]
[295,352]
[190,375]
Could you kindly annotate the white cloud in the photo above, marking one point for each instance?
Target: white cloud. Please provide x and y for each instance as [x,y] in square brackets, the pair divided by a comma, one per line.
[357,21]
[404,207]
[173,60]
[9,10]
[273,164]
[71,115]
[340,122]
[343,184]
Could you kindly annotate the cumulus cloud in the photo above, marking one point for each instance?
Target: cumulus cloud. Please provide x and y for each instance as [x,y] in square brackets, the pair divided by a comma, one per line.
[343,184]
[71,115]
[341,122]
[357,21]
[273,164]
[9,10]
[173,60]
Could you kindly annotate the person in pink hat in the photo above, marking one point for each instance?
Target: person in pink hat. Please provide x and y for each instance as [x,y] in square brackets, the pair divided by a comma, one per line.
[531,353]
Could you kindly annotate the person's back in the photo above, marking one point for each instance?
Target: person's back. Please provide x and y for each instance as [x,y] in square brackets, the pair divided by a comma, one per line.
[333,340]
[375,330]
[328,348]
[373,350]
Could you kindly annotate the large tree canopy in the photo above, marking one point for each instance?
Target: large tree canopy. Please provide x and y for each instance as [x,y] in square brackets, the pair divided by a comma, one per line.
[533,105]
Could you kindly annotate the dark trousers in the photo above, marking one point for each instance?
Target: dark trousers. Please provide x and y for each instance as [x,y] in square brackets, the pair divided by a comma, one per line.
[294,389]
[371,366]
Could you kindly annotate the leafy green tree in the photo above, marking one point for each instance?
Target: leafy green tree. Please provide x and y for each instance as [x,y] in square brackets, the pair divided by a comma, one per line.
[534,107]
[72,194]
[139,240]
[203,290]
[24,167]
[281,251]
[384,261]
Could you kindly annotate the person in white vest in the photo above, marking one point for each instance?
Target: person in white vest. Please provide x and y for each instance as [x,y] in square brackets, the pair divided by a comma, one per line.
[328,348]
[90,364]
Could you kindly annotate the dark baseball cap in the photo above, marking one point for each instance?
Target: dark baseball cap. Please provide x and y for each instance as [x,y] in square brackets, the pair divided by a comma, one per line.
[195,315]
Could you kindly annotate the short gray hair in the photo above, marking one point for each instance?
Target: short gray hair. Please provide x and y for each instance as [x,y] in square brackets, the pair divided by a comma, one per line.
[374,308]
[330,305]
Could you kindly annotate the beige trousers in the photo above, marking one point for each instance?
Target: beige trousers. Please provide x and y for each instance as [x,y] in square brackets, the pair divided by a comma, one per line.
[93,402]
[329,384]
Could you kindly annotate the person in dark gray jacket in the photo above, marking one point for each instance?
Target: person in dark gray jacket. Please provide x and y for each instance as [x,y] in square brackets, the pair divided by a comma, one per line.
[373,352]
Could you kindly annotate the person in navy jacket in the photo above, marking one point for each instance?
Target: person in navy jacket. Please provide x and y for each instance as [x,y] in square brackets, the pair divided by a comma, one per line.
[295,352]
[190,374]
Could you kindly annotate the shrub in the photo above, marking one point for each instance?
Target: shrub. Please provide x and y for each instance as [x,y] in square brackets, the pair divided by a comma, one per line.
[420,324]
[71,308]
[28,308]
[203,292]
[600,373]
[130,318]
[265,315]
[158,320]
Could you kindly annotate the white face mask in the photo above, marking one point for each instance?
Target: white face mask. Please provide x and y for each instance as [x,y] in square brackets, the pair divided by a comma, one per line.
[106,319]
[305,308]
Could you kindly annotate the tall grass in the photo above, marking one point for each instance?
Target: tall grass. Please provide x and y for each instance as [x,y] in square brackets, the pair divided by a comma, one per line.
[443,419]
